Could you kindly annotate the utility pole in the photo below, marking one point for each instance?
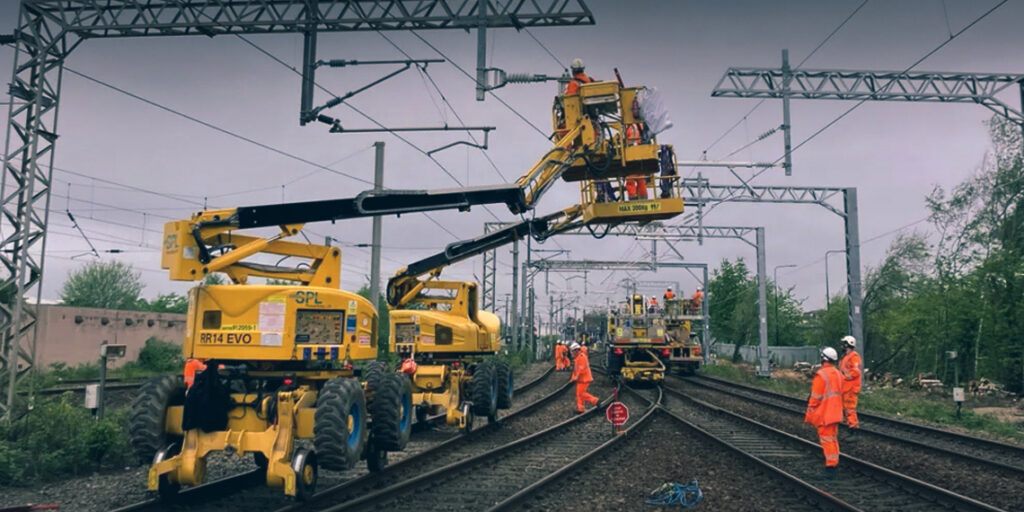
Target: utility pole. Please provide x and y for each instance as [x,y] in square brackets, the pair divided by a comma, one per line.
[378,185]
[515,294]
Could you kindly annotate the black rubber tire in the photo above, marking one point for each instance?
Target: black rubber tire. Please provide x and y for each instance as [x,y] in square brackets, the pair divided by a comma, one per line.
[390,410]
[483,390]
[148,412]
[337,448]
[506,384]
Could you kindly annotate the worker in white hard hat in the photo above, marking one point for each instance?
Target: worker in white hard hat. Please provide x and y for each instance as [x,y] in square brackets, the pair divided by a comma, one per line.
[825,409]
[578,77]
[581,376]
[850,368]
[561,356]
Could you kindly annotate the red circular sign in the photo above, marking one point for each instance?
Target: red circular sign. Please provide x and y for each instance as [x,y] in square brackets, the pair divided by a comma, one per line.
[617,413]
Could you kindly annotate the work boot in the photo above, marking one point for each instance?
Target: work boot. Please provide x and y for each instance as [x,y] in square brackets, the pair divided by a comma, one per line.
[579,411]
[829,473]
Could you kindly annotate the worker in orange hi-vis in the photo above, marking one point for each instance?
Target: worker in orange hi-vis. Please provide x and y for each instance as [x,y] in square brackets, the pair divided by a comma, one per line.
[561,360]
[825,409]
[669,294]
[193,366]
[582,377]
[695,301]
[850,368]
[578,77]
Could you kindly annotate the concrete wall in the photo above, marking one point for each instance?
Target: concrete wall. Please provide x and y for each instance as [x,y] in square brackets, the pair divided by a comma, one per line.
[73,335]
[783,356]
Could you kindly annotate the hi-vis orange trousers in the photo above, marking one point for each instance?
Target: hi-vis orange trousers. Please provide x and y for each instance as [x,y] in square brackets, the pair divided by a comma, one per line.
[829,443]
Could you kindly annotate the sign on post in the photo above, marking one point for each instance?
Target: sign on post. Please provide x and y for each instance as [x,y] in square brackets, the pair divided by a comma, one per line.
[92,396]
[617,414]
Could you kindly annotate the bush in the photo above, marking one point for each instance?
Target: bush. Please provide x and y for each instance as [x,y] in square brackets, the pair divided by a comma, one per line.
[59,438]
[161,356]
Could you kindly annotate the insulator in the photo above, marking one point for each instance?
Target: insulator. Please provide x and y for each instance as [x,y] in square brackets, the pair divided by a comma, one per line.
[520,78]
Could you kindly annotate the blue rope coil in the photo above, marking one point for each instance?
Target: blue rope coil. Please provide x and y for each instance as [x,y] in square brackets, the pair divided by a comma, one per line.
[674,493]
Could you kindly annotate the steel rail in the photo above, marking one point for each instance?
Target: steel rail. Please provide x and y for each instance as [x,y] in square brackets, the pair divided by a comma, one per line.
[530,490]
[243,481]
[998,451]
[913,486]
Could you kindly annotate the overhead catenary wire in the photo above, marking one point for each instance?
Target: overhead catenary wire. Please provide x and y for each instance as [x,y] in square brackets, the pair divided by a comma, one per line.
[805,59]
[838,118]
[215,127]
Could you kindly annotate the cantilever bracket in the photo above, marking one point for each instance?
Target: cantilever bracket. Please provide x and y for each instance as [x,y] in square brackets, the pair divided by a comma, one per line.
[486,130]
[311,115]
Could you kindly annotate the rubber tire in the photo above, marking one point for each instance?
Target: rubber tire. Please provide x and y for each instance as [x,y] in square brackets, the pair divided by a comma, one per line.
[148,412]
[506,384]
[483,390]
[334,444]
[390,410]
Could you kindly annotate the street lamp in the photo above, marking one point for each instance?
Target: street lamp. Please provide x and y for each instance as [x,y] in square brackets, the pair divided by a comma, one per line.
[775,282]
[828,294]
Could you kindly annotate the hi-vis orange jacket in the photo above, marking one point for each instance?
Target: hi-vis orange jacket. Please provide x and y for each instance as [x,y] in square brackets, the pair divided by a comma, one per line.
[581,368]
[850,368]
[825,406]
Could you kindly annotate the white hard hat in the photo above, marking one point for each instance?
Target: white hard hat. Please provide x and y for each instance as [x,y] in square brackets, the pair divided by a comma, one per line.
[849,341]
[575,346]
[829,353]
[577,63]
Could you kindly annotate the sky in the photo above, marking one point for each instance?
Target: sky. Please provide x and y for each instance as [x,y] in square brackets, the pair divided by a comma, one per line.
[124,167]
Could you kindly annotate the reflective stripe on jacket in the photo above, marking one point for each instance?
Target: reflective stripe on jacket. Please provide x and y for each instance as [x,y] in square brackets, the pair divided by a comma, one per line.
[850,368]
[825,406]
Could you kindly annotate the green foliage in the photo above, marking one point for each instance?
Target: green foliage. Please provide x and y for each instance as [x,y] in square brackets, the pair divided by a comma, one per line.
[167,303]
[732,298]
[161,356]
[214,279]
[59,438]
[100,284]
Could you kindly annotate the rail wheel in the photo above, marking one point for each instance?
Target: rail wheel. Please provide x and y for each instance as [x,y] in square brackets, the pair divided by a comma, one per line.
[166,489]
[339,424]
[148,414]
[306,473]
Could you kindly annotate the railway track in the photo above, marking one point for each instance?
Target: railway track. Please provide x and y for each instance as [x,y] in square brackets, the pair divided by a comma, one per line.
[494,479]
[211,495]
[645,455]
[985,451]
[861,485]
[914,453]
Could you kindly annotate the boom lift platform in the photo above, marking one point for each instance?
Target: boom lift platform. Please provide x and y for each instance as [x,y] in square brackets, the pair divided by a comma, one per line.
[281,358]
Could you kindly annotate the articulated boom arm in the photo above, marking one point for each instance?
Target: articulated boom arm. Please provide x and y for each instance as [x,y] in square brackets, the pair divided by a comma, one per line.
[405,284]
[207,242]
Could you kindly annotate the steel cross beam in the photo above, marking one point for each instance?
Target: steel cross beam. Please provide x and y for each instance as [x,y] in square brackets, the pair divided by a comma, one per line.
[842,84]
[48,30]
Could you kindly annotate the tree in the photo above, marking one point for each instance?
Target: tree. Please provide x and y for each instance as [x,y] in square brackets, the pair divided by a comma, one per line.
[168,303]
[99,284]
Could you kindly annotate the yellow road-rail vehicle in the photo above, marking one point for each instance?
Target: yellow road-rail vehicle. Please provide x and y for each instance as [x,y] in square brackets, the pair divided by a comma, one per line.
[282,381]
[685,355]
[444,340]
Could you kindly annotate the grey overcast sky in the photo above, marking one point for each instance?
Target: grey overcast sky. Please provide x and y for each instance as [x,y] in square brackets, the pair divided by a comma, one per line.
[894,153]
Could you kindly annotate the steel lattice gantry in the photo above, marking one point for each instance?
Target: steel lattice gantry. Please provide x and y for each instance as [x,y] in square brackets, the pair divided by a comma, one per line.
[840,84]
[48,30]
